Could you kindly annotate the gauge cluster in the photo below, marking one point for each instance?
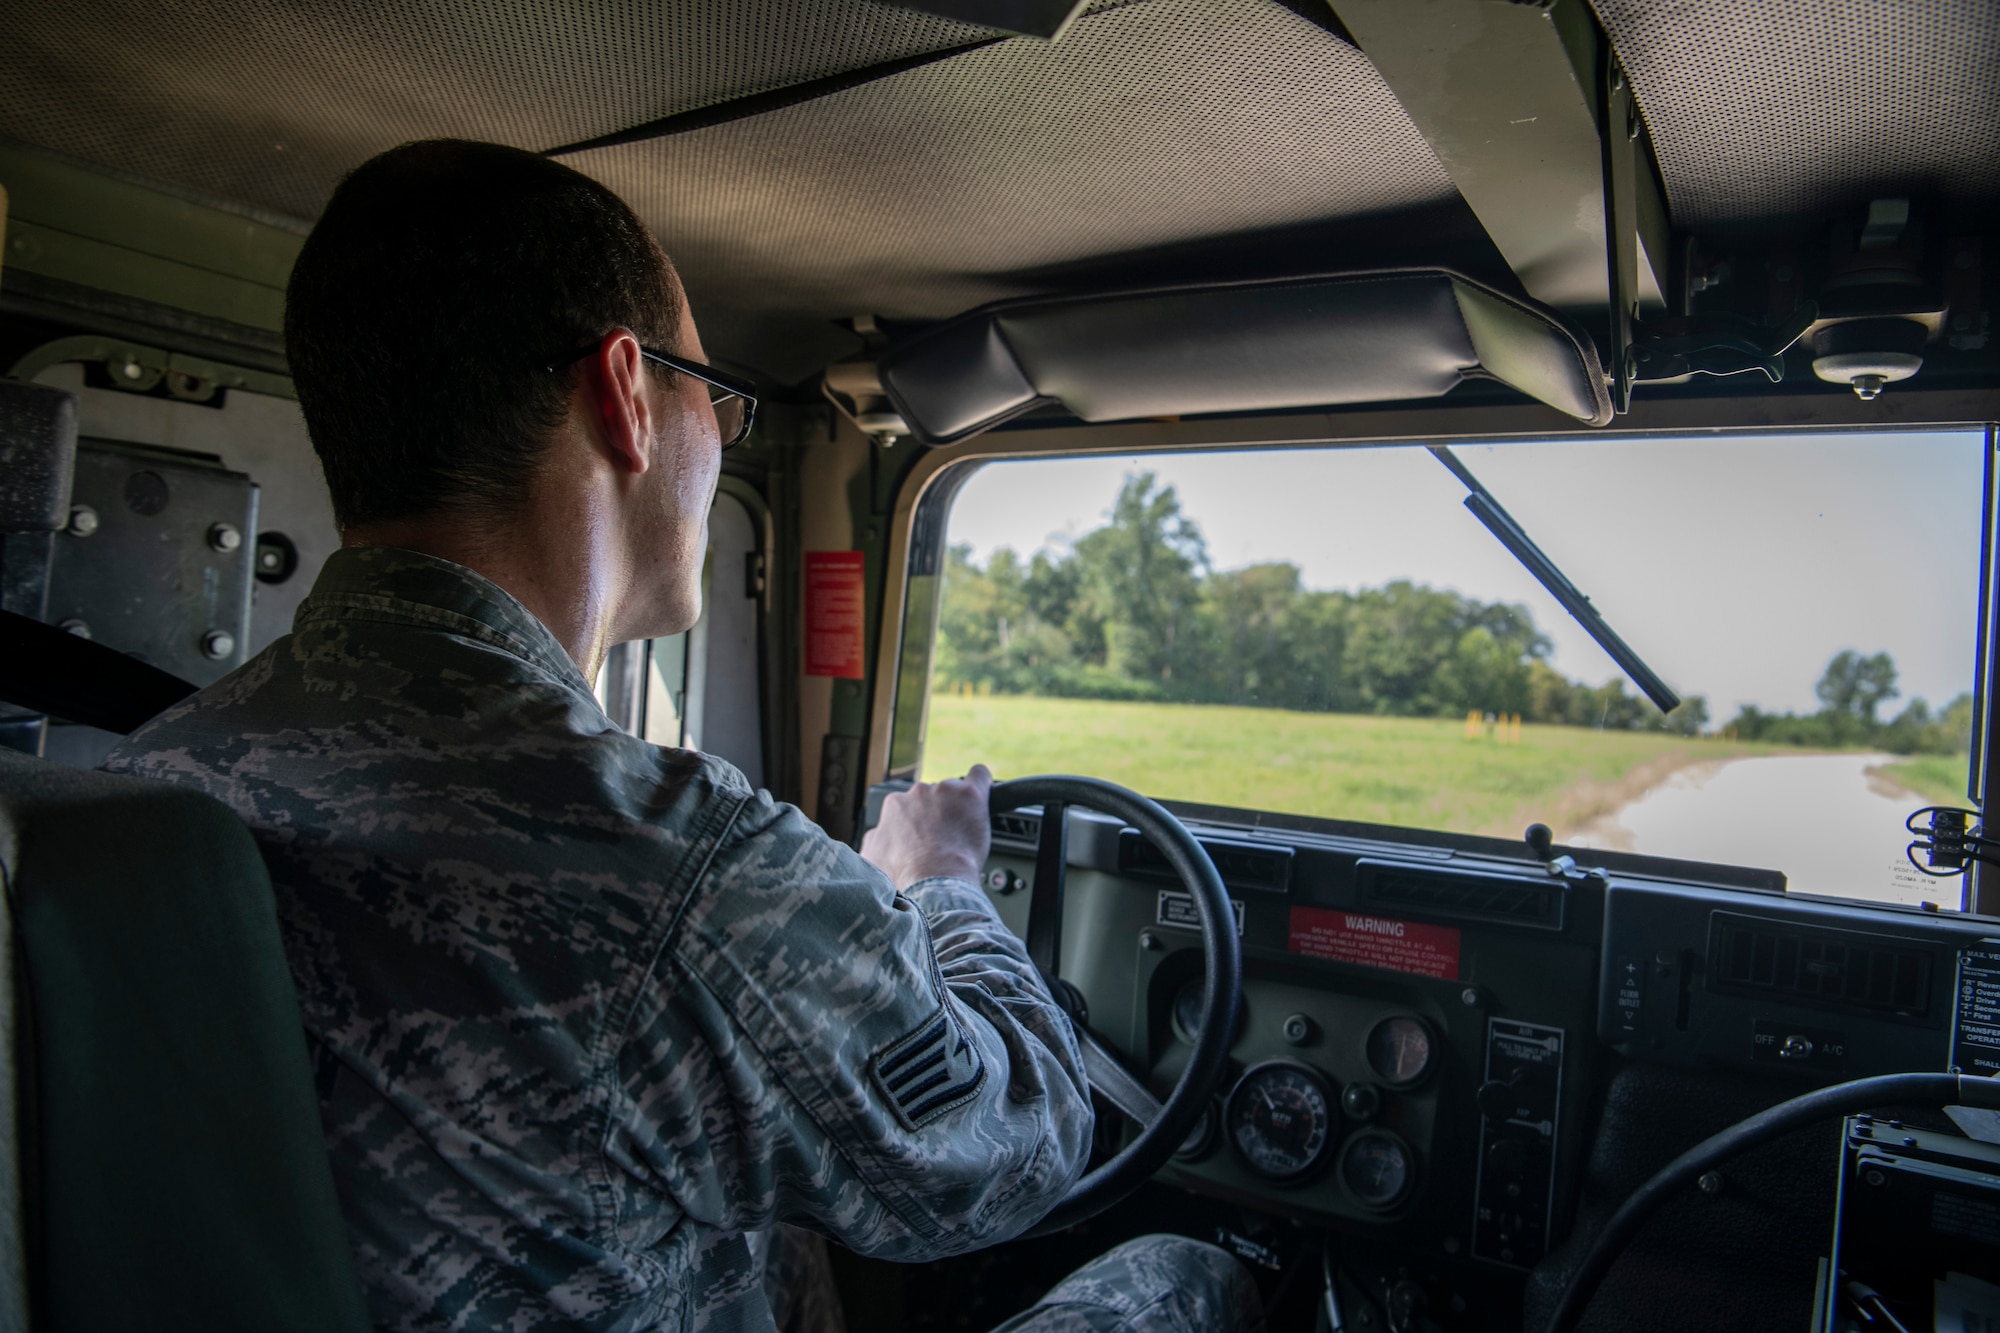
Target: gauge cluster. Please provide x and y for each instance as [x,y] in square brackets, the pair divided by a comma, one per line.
[1332,1103]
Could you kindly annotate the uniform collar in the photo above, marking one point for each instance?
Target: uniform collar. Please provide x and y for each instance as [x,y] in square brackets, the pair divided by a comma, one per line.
[383,583]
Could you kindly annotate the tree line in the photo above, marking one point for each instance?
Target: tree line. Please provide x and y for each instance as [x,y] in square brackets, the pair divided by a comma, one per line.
[1851,692]
[1133,610]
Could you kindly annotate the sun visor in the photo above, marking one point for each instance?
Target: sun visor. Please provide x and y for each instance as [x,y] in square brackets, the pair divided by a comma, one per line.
[1248,347]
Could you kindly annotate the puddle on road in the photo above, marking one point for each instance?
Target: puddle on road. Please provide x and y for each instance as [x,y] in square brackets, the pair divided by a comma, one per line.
[1823,819]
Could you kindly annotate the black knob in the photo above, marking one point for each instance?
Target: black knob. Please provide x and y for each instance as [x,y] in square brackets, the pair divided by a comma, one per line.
[1534,1087]
[1508,1156]
[1541,841]
[1497,1099]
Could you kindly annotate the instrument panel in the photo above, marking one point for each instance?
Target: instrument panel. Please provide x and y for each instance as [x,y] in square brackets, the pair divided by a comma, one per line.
[1424,1017]
[1331,1107]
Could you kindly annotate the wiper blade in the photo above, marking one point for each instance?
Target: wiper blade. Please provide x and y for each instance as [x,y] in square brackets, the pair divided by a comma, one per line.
[1512,536]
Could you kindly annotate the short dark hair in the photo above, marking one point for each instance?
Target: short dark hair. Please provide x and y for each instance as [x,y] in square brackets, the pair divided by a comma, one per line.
[436,288]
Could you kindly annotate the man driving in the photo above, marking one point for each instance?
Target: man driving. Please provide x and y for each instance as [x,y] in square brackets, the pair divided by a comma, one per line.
[591,1018]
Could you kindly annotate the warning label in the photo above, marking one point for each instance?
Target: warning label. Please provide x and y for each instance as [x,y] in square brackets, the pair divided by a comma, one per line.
[835,614]
[1375,941]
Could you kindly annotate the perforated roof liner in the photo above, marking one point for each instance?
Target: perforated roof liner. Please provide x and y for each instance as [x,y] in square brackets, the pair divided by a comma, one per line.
[919,196]
[1776,108]
[1019,168]
[272,101]
[1149,123]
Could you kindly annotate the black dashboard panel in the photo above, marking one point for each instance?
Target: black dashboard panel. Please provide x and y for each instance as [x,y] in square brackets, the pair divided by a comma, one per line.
[1386,983]
[1546,1023]
[1811,987]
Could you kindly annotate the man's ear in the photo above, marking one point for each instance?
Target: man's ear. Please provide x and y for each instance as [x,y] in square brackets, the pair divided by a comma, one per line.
[618,398]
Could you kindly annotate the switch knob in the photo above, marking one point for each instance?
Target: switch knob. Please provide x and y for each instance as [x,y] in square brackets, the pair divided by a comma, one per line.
[1508,1156]
[1497,1099]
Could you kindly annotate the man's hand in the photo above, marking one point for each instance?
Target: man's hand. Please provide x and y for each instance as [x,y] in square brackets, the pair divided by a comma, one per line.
[934,828]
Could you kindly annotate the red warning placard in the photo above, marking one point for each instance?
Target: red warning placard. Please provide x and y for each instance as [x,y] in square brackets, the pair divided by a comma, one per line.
[1375,941]
[835,614]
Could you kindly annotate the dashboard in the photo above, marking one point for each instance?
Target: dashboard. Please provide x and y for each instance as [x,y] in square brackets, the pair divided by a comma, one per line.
[1434,1027]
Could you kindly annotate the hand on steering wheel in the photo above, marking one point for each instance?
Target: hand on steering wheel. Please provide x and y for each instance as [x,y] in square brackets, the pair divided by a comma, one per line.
[1163,1128]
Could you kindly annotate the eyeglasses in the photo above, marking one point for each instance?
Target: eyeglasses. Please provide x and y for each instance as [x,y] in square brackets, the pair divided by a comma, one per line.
[733,400]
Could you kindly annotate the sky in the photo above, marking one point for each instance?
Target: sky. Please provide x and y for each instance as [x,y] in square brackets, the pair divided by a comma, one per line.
[1736,567]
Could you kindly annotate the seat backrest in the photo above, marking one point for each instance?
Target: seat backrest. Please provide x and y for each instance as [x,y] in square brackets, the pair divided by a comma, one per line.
[172,1171]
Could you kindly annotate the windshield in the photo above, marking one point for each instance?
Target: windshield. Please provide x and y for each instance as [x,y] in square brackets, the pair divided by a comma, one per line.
[1332,633]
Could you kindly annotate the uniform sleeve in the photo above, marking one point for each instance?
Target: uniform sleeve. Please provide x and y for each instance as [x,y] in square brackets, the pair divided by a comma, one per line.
[814,1047]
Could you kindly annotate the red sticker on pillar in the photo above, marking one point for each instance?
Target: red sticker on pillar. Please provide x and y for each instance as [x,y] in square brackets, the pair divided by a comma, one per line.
[835,614]
[1375,941]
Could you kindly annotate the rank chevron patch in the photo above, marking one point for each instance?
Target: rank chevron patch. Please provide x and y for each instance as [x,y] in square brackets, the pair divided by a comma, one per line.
[929,1071]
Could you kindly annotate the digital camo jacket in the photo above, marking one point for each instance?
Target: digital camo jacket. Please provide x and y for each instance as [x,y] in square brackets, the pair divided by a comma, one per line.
[585,1009]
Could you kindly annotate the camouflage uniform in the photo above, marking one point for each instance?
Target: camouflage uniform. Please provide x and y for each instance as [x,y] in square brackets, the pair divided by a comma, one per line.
[586,1010]
[1158,1284]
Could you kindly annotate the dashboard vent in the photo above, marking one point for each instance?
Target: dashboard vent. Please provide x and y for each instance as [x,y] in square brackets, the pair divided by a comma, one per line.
[1856,971]
[1018,829]
[1241,865]
[1461,894]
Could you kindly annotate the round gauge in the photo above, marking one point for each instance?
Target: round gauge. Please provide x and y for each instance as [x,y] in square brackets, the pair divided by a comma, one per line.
[1399,1050]
[1188,1002]
[1377,1168]
[1201,1138]
[1280,1119]
[1187,1008]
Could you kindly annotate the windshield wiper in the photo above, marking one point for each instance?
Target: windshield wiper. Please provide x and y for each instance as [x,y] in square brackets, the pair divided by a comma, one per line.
[1502,525]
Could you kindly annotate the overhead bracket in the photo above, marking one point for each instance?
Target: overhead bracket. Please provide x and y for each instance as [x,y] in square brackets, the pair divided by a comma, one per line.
[1619,120]
[1511,98]
[141,369]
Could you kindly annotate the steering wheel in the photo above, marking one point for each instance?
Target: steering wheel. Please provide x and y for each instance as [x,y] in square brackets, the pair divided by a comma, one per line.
[1162,1127]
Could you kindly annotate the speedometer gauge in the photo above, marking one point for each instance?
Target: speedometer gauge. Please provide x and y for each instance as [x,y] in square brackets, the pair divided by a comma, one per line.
[1280,1119]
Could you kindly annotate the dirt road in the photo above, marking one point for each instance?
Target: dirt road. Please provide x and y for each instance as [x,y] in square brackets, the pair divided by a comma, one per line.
[1822,819]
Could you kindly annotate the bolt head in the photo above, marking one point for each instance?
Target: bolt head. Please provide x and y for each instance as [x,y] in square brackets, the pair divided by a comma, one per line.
[1710,1182]
[1469,997]
[1868,387]
[218,644]
[1149,941]
[76,627]
[1874,1177]
[225,537]
[83,521]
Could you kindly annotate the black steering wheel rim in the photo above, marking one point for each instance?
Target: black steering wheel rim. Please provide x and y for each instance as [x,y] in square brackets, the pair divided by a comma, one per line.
[1222,962]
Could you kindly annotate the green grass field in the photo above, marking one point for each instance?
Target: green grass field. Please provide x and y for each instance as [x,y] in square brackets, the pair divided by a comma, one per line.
[1935,777]
[1410,771]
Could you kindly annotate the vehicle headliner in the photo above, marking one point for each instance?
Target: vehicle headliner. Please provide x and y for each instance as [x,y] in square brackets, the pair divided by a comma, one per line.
[1192,139]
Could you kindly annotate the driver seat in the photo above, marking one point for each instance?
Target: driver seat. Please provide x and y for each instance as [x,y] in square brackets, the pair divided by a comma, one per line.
[161,1160]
